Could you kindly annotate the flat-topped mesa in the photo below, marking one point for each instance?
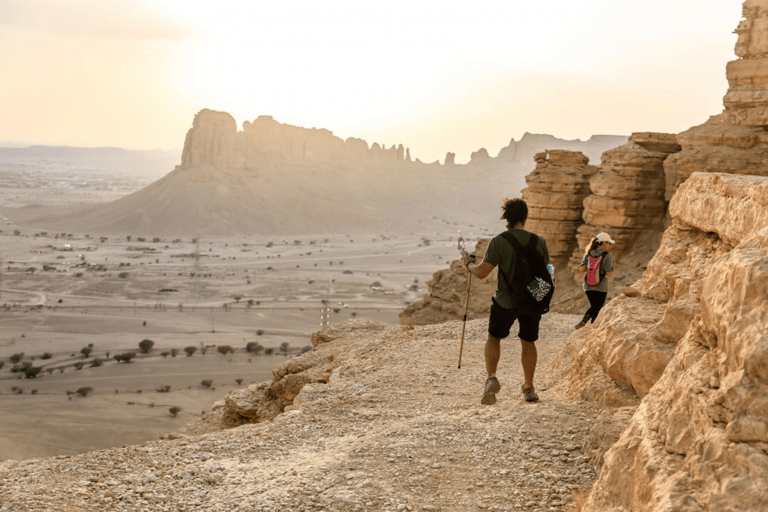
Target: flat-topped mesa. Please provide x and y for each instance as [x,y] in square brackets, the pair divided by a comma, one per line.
[214,140]
[555,193]
[735,141]
[627,197]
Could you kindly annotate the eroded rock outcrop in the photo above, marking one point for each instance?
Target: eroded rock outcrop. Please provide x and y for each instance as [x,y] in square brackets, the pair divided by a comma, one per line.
[446,298]
[265,401]
[692,352]
[627,198]
[736,141]
[555,194]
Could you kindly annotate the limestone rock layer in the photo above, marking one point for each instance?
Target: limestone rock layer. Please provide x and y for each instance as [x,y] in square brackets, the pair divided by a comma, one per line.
[627,193]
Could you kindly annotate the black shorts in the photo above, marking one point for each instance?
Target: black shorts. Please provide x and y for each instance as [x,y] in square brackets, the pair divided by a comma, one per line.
[502,319]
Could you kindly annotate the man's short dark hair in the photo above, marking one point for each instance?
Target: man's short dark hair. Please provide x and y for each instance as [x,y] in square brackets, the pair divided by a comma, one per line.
[514,211]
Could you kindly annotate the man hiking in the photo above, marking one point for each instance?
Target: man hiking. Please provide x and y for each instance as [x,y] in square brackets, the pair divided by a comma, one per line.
[501,253]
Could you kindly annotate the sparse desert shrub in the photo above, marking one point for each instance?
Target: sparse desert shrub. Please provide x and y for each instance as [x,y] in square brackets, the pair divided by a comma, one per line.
[2,363]
[174,352]
[239,381]
[21,367]
[125,357]
[306,349]
[224,349]
[97,361]
[165,354]
[284,346]
[123,275]
[15,358]
[32,371]
[174,411]
[190,350]
[164,389]
[269,351]
[206,384]
[203,350]
[253,347]
[146,345]
[45,355]
[79,365]
[86,351]
[259,332]
[84,391]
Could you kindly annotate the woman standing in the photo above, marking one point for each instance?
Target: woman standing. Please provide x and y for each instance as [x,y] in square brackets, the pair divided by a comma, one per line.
[596,265]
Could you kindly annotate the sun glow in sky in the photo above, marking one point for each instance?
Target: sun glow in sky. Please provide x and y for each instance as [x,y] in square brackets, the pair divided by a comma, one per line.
[433,76]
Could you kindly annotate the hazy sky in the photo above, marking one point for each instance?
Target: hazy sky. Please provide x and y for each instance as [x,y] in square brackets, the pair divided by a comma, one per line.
[436,76]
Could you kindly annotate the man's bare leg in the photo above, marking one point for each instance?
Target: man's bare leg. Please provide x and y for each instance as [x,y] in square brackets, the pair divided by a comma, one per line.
[528,356]
[492,356]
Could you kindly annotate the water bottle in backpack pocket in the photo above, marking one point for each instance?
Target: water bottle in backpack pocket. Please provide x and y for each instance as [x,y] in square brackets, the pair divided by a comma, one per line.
[593,269]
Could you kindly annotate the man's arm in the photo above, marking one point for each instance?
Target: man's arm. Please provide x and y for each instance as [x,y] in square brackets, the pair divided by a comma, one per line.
[480,271]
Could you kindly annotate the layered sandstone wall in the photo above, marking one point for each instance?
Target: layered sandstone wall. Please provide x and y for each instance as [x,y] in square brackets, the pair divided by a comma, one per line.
[627,199]
[555,194]
[694,347]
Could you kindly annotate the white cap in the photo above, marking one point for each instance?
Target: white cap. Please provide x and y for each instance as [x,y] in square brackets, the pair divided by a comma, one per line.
[604,237]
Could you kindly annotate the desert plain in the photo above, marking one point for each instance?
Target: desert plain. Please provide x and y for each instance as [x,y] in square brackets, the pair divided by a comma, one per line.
[72,301]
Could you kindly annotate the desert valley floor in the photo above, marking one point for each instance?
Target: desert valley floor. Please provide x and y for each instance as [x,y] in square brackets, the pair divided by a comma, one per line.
[63,294]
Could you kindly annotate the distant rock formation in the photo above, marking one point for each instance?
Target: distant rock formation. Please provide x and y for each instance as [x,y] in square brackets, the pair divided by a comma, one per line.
[523,151]
[274,178]
[214,140]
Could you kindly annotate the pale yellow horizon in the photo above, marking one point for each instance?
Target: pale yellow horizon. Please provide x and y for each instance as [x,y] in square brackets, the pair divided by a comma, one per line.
[436,77]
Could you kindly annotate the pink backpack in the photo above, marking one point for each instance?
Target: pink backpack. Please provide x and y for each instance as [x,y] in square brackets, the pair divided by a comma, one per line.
[593,269]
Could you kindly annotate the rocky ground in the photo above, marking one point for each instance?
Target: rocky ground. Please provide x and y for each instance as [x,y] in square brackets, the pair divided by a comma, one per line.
[398,427]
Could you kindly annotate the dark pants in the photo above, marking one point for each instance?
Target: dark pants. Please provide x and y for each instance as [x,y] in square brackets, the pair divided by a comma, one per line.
[596,303]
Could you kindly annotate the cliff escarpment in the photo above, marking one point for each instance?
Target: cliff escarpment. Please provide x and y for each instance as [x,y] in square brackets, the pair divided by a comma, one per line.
[274,178]
[691,354]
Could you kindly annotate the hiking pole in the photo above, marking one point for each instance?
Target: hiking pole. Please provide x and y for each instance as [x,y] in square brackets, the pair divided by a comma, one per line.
[464,254]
